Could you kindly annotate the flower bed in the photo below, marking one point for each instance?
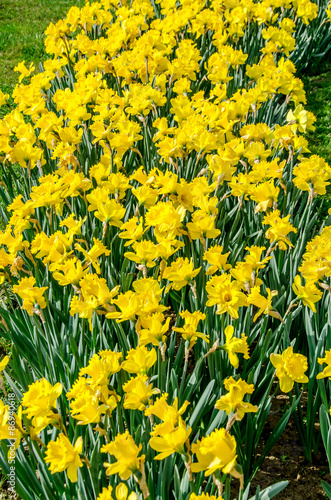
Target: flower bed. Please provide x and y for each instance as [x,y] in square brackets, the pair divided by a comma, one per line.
[167,250]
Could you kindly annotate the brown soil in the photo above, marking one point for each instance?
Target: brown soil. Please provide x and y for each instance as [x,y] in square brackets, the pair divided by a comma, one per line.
[286,461]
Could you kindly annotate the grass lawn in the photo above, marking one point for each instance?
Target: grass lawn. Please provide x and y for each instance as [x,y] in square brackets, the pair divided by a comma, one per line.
[318,90]
[22,26]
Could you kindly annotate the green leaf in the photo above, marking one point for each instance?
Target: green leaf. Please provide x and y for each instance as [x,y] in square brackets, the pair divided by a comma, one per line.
[203,404]
[327,488]
[325,422]
[271,491]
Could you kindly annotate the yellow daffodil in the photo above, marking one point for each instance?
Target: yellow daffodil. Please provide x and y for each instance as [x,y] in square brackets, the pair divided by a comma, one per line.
[132,230]
[327,370]
[30,294]
[40,403]
[254,258]
[202,226]
[62,455]
[170,440]
[3,98]
[126,452]
[138,393]
[70,272]
[181,272]
[3,363]
[216,452]
[290,368]
[234,346]
[280,227]
[226,294]
[11,428]
[144,253]
[168,413]
[91,256]
[300,119]
[94,296]
[139,360]
[152,330]
[87,407]
[263,303]
[102,366]
[217,259]
[25,72]
[189,330]
[309,293]
[233,401]
[121,493]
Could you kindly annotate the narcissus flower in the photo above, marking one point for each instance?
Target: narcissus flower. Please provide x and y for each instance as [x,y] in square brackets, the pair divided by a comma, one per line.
[110,212]
[202,226]
[126,452]
[139,360]
[151,330]
[121,493]
[217,259]
[70,272]
[7,428]
[144,301]
[233,401]
[144,253]
[300,119]
[263,303]
[309,293]
[181,273]
[254,258]
[100,367]
[169,414]
[146,196]
[3,98]
[94,296]
[189,331]
[25,72]
[290,368]
[280,227]
[226,294]
[91,256]
[138,393]
[216,452]
[168,440]
[30,294]
[132,230]
[62,455]
[234,346]
[86,407]
[4,363]
[166,220]
[74,225]
[106,494]
[327,370]
[312,175]
[266,195]
[40,401]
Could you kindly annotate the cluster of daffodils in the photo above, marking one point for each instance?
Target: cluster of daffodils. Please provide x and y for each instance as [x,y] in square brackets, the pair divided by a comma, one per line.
[158,232]
[93,400]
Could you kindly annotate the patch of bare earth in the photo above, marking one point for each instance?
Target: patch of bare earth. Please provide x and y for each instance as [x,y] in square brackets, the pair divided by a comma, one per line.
[286,461]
